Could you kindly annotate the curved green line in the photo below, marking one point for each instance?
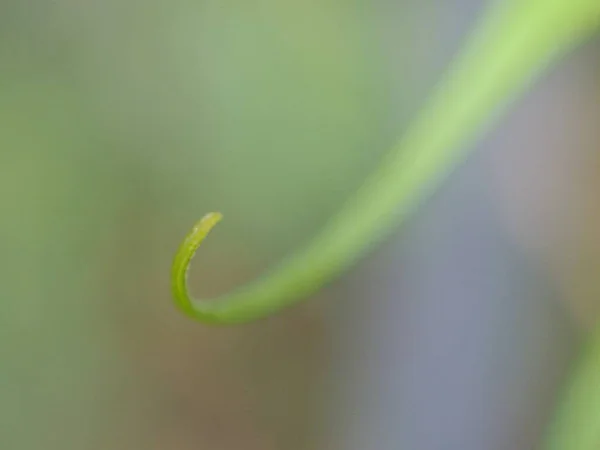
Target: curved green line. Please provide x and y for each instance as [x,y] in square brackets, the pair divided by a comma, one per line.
[514,42]
[576,425]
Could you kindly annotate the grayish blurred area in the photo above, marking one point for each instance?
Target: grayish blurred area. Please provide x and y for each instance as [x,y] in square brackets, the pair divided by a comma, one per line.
[458,343]
[471,321]
[124,121]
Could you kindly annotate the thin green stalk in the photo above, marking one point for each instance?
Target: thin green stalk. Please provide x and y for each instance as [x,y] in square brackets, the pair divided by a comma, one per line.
[576,425]
[514,42]
[512,45]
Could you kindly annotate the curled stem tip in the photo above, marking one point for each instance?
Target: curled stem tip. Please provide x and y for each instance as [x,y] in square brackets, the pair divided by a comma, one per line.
[183,259]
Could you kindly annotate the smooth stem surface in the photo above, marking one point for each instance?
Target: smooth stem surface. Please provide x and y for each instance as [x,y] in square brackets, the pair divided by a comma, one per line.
[514,42]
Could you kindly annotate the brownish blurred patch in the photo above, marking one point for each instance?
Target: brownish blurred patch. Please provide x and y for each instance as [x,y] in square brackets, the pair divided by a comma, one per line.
[254,386]
[547,175]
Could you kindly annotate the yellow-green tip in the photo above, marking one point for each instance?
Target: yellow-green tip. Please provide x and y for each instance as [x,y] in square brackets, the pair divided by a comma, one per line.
[183,258]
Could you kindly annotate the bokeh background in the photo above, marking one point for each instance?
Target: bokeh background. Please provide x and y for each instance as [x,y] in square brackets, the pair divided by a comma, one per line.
[124,121]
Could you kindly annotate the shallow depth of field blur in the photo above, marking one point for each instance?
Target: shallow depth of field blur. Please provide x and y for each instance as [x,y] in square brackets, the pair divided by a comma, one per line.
[124,121]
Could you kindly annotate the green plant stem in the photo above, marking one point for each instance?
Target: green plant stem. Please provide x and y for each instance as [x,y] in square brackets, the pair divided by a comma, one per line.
[576,425]
[514,42]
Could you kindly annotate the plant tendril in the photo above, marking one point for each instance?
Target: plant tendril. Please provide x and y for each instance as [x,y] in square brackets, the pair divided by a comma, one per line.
[183,259]
[515,41]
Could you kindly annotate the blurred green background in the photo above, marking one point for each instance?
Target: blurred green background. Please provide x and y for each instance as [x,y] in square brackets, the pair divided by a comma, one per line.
[124,121]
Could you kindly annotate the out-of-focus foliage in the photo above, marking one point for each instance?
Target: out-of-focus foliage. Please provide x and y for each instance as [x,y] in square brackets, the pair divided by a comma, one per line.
[120,123]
